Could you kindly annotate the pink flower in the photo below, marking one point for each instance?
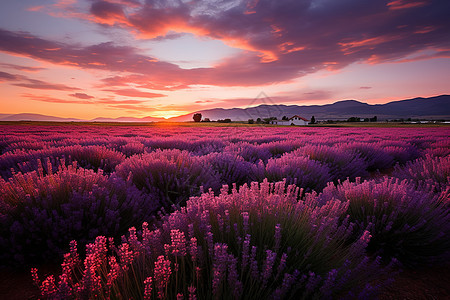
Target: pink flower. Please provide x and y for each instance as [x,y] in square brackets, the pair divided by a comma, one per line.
[162,275]
[148,288]
[35,276]
[192,295]
[126,256]
[114,271]
[48,287]
[193,250]
[178,242]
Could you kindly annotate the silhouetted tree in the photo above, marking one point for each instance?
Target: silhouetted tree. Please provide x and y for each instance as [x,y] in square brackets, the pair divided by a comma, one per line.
[353,119]
[269,120]
[285,118]
[197,117]
[313,120]
[251,121]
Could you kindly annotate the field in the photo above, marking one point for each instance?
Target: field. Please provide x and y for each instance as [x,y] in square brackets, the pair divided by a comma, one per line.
[170,211]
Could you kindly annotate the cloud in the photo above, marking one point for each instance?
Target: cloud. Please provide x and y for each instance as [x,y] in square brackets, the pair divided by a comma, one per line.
[43,85]
[365,87]
[81,96]
[203,101]
[115,102]
[108,12]
[45,98]
[4,76]
[141,81]
[24,81]
[135,93]
[280,40]
[108,102]
[402,4]
[132,108]
[22,68]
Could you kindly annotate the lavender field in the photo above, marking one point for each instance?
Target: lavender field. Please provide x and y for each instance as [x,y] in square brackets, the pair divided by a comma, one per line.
[173,212]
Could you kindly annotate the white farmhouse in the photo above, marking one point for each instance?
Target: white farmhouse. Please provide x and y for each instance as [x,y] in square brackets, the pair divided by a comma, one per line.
[295,120]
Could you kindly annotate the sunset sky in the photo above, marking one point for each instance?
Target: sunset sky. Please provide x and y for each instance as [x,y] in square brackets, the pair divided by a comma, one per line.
[163,58]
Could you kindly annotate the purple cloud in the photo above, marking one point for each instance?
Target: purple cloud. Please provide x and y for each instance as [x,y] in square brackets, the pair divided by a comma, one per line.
[4,76]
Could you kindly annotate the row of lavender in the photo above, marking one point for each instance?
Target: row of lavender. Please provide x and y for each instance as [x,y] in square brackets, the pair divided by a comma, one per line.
[267,241]
[81,182]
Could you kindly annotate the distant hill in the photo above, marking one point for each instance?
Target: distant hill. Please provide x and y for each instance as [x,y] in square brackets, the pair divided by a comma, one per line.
[36,117]
[418,108]
[44,118]
[424,108]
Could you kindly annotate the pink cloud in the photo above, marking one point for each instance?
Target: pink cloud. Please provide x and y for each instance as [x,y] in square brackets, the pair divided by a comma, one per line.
[135,93]
[81,96]
[49,99]
[402,4]
[115,102]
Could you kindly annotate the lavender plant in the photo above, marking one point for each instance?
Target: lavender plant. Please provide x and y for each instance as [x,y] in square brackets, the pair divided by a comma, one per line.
[374,155]
[89,157]
[251,153]
[406,223]
[400,151]
[40,214]
[432,171]
[343,164]
[171,175]
[258,242]
[232,168]
[306,173]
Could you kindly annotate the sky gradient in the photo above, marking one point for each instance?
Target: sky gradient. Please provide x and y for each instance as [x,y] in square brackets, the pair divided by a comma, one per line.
[163,58]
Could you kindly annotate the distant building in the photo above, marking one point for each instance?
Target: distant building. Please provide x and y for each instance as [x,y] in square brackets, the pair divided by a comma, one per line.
[295,120]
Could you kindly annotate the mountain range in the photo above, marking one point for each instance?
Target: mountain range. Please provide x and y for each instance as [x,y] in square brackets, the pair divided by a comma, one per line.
[418,108]
[422,108]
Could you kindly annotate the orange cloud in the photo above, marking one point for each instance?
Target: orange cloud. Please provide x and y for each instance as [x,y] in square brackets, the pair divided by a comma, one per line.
[348,47]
